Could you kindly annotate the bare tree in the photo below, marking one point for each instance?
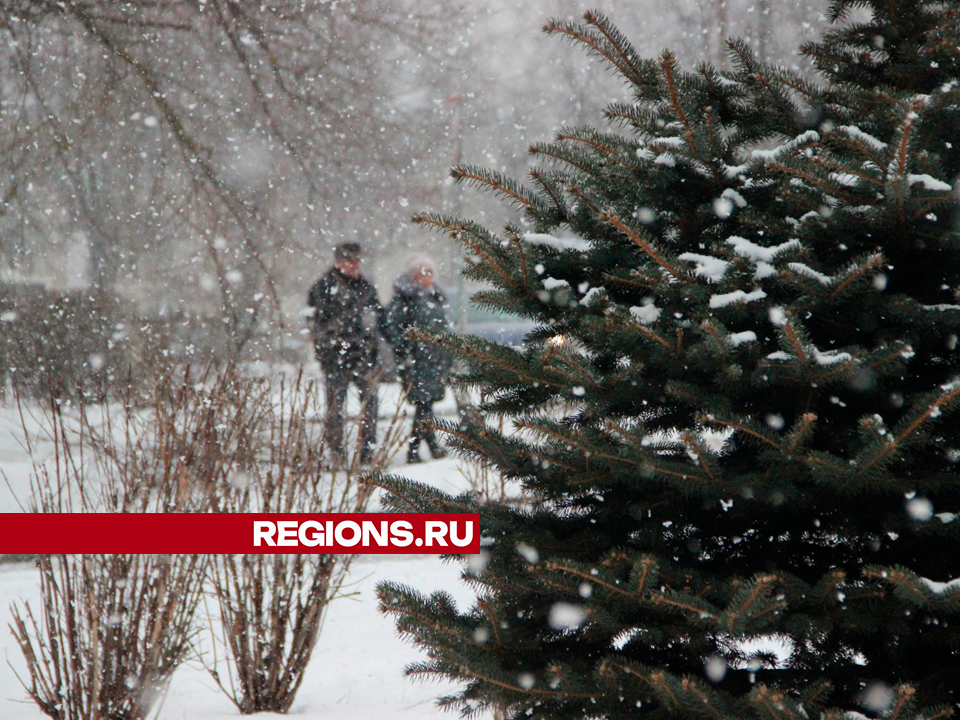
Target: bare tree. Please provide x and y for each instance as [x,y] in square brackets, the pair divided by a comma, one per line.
[230,133]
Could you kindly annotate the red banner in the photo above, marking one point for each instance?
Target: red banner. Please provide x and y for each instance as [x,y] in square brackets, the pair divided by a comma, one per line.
[203,533]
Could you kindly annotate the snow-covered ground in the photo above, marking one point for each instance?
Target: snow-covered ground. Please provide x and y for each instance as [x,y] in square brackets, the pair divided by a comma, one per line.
[357,669]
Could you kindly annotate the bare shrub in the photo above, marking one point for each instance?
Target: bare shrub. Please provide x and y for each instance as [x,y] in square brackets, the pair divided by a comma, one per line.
[63,342]
[109,632]
[110,629]
[167,449]
[272,607]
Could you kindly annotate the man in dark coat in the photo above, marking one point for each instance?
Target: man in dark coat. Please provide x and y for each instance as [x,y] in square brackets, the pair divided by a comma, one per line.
[345,323]
[418,303]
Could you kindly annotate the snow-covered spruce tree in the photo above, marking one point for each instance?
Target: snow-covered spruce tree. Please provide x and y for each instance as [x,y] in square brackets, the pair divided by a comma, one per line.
[749,295]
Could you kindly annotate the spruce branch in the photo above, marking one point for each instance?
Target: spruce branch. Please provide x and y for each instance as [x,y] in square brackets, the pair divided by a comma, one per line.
[792,337]
[700,452]
[556,198]
[747,428]
[653,336]
[592,139]
[537,691]
[644,244]
[716,338]
[845,136]
[578,160]
[602,39]
[699,612]
[747,598]
[668,62]
[904,703]
[767,78]
[480,250]
[552,433]
[827,186]
[419,610]
[642,573]
[815,695]
[778,705]
[873,262]
[942,402]
[636,279]
[617,41]
[844,169]
[905,133]
[825,590]
[625,114]
[514,238]
[800,433]
[497,183]
[488,609]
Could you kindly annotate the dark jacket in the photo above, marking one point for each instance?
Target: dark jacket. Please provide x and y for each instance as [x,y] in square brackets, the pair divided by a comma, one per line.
[423,366]
[346,322]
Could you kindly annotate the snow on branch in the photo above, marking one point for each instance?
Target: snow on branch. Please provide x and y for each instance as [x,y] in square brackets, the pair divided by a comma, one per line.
[707,266]
[929,183]
[786,148]
[568,242]
[737,296]
[866,139]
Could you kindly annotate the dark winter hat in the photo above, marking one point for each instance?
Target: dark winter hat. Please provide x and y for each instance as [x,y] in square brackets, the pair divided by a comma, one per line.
[347,251]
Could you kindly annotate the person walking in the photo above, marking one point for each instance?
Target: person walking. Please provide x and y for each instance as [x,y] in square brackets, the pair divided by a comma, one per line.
[419,303]
[345,321]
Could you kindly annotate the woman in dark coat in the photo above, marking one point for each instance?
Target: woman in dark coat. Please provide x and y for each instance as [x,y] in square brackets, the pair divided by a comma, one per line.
[419,303]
